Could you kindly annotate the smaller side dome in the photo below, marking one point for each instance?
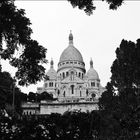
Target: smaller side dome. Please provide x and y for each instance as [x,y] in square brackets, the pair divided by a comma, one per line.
[92,73]
[52,74]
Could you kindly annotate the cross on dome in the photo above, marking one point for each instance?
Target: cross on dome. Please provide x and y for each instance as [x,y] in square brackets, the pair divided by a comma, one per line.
[91,63]
[70,38]
[51,63]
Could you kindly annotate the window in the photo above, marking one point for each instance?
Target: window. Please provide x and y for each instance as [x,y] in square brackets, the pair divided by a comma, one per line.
[64,94]
[79,74]
[51,84]
[72,89]
[97,84]
[63,75]
[67,62]
[80,94]
[67,73]
[75,62]
[93,84]
[82,75]
[71,62]
[72,72]
[87,92]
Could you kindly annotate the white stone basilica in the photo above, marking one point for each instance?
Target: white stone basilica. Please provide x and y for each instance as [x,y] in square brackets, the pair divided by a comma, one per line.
[71,82]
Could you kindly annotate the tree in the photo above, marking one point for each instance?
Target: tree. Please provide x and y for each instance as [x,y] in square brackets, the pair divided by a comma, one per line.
[46,96]
[31,97]
[126,68]
[6,82]
[106,102]
[88,5]
[120,102]
[6,93]
[15,31]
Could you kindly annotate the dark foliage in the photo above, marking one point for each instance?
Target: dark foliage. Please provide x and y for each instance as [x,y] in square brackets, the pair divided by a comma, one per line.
[7,84]
[121,101]
[35,97]
[15,31]
[88,5]
[70,126]
[46,96]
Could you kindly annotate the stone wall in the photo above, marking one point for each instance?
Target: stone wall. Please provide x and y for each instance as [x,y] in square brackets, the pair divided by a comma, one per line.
[48,108]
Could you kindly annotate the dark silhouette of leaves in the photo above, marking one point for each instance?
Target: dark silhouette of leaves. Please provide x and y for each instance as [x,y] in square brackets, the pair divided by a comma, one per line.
[88,5]
[16,32]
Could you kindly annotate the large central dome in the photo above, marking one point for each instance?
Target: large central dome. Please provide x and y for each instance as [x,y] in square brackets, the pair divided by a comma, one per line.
[71,53]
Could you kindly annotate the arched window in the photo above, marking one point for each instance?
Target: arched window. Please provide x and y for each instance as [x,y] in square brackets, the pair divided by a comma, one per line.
[79,74]
[50,84]
[63,75]
[93,84]
[58,92]
[64,94]
[67,73]
[87,92]
[80,93]
[82,75]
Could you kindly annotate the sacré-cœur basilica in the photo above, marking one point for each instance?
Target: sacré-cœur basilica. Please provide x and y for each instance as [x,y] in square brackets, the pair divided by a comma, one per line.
[71,82]
[71,85]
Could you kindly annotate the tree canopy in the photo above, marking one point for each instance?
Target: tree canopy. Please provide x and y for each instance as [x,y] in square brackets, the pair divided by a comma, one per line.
[126,68]
[7,84]
[15,38]
[88,5]
[121,101]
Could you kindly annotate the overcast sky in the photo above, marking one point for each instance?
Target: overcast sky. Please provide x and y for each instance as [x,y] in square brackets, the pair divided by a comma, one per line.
[95,36]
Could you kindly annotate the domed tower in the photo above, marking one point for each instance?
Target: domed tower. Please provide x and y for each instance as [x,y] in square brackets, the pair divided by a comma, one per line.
[50,82]
[52,74]
[71,58]
[70,74]
[93,80]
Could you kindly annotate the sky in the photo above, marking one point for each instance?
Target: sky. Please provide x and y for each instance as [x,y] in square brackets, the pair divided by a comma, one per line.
[96,36]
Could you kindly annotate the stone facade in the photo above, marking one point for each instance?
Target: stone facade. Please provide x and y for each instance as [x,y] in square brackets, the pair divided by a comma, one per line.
[44,107]
[71,82]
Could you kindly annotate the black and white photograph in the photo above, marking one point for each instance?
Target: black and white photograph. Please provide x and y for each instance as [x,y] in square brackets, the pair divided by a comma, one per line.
[69,70]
